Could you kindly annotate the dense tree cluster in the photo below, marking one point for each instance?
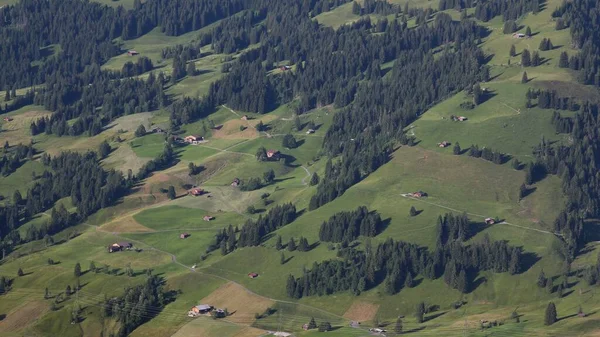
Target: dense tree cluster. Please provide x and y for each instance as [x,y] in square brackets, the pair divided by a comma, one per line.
[488,154]
[550,99]
[452,228]
[142,65]
[380,7]
[18,101]
[580,17]
[394,262]
[137,305]
[485,10]
[348,226]
[252,232]
[236,33]
[13,158]
[162,161]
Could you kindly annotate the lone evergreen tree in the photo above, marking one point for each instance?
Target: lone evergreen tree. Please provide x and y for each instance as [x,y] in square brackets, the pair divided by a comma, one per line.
[513,51]
[289,142]
[104,149]
[324,326]
[282,260]
[526,58]
[269,176]
[524,79]
[456,150]
[563,61]
[171,193]
[77,270]
[291,246]
[191,68]
[314,180]
[398,326]
[46,294]
[528,31]
[312,324]
[92,266]
[522,191]
[20,272]
[278,243]
[477,94]
[550,317]
[140,131]
[408,281]
[420,312]
[549,286]
[413,211]
[516,164]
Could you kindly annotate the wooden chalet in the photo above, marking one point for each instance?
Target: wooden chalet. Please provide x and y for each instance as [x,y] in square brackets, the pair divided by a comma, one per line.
[252,275]
[236,182]
[196,192]
[208,218]
[418,194]
[132,53]
[193,139]
[184,235]
[489,221]
[119,246]
[201,309]
[7,119]
[245,118]
[444,144]
[310,131]
[273,154]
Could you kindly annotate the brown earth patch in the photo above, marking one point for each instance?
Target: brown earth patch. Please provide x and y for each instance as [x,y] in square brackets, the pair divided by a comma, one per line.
[238,301]
[126,225]
[23,316]
[231,130]
[361,311]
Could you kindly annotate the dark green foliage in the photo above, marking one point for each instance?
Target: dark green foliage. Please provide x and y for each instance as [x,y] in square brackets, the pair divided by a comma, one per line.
[138,305]
[282,259]
[486,10]
[261,154]
[260,127]
[77,270]
[278,244]
[526,58]
[420,312]
[524,78]
[289,142]
[193,169]
[312,324]
[4,285]
[104,149]
[452,228]
[487,154]
[477,94]
[314,179]
[550,316]
[350,225]
[456,150]
[523,191]
[413,211]
[546,44]
[20,272]
[536,59]
[510,27]
[391,262]
[191,68]
[563,61]
[269,176]
[171,193]
[528,31]
[324,326]
[398,326]
[253,231]
[549,286]
[516,164]
[250,209]
[162,161]
[291,246]
[251,184]
[140,131]
[303,245]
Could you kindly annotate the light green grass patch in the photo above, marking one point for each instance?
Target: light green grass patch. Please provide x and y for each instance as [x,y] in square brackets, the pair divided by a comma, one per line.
[176,217]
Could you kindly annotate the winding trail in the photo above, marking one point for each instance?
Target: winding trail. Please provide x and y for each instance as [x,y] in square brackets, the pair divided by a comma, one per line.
[479,215]
[174,260]
[308,175]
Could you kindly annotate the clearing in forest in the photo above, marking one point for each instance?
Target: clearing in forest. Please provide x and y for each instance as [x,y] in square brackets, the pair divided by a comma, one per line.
[361,311]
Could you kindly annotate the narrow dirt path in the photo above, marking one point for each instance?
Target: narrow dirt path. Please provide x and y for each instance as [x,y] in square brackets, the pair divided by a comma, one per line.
[308,175]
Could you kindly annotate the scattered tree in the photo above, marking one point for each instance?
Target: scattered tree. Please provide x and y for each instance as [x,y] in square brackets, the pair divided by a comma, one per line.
[269,176]
[314,179]
[312,324]
[140,131]
[420,312]
[291,246]
[282,259]
[104,149]
[526,58]
[171,193]
[77,270]
[413,211]
[278,244]
[324,326]
[456,150]
[20,272]
[513,51]
[524,79]
[398,326]
[551,316]
[289,142]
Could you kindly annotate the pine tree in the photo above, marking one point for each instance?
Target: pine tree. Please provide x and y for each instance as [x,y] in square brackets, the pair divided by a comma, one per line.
[563,62]
[68,290]
[140,131]
[408,281]
[269,176]
[536,59]
[46,294]
[92,267]
[282,260]
[528,31]
[278,243]
[171,193]
[513,51]
[324,326]
[104,149]
[223,247]
[7,96]
[297,123]
[524,79]
[314,180]
[516,164]
[551,315]
[514,265]
[412,211]
[477,94]
[312,324]
[77,270]
[291,246]
[191,68]
[398,326]
[420,312]
[456,150]
[20,272]
[523,191]
[526,58]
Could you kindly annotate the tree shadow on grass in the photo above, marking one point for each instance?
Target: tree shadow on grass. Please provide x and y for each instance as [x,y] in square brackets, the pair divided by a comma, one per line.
[528,259]
[434,316]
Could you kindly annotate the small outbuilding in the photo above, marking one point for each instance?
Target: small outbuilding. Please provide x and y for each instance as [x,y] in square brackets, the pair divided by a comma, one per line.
[310,131]
[208,218]
[245,117]
[184,235]
[132,53]
[444,144]
[119,246]
[7,119]
[489,221]
[201,309]
[252,275]
[196,192]
[235,182]
[273,154]
[418,194]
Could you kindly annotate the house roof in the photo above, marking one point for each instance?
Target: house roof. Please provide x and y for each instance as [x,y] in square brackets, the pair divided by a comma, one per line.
[124,244]
[203,307]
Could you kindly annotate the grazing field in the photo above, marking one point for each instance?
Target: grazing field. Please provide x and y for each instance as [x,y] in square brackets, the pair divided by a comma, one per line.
[240,303]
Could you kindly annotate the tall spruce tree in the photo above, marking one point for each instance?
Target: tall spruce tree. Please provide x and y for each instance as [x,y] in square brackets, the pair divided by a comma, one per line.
[551,316]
